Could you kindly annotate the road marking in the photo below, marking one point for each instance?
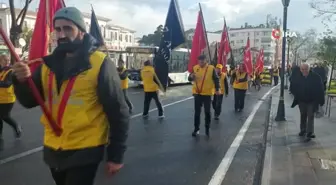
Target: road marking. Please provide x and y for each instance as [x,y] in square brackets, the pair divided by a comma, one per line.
[223,167]
[35,150]
[136,92]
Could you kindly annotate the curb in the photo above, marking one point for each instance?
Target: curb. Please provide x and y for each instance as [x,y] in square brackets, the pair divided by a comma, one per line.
[267,162]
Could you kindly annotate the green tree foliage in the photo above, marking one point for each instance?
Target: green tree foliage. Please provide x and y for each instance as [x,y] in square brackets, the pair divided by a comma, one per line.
[327,50]
[26,35]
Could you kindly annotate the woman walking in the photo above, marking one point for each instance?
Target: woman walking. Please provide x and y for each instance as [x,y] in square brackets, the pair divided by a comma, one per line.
[7,97]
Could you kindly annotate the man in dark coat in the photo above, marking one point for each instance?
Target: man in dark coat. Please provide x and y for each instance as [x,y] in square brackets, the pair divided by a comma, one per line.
[308,93]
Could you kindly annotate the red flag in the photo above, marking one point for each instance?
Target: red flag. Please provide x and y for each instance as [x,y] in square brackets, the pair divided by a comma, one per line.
[248,58]
[224,48]
[199,42]
[260,61]
[42,30]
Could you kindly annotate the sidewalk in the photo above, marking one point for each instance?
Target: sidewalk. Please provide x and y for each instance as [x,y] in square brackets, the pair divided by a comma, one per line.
[290,161]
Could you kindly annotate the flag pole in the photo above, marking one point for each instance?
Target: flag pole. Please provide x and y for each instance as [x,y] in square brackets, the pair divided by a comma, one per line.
[205,32]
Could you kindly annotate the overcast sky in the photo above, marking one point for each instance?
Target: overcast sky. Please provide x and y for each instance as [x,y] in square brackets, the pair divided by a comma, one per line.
[145,15]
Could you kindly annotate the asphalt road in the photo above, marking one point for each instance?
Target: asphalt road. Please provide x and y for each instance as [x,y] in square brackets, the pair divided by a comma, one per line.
[159,152]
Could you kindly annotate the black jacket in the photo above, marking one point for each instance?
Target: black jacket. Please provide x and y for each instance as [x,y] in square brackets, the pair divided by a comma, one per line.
[308,89]
[109,95]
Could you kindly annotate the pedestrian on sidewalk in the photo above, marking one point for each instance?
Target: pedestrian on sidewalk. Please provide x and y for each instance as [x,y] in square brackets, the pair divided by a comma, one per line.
[205,79]
[81,89]
[308,93]
[276,73]
[240,86]
[123,74]
[7,96]
[151,89]
[224,91]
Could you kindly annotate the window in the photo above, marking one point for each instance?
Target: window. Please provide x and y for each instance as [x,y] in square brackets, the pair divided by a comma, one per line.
[120,37]
[116,36]
[232,35]
[130,38]
[111,33]
[257,40]
[126,38]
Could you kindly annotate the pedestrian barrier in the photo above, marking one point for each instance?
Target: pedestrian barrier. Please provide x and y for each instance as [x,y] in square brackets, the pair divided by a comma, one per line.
[266,78]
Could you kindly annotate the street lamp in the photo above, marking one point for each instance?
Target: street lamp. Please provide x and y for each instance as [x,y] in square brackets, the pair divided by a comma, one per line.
[289,40]
[281,106]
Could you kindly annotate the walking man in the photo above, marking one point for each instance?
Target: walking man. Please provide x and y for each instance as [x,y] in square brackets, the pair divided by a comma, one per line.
[224,91]
[308,93]
[204,78]
[240,86]
[123,74]
[151,88]
[81,88]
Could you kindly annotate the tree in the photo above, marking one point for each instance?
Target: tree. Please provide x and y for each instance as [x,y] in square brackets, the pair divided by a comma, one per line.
[152,39]
[327,52]
[17,21]
[304,45]
[26,35]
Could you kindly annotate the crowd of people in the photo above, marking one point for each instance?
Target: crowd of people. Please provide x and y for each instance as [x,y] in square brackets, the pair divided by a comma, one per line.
[87,96]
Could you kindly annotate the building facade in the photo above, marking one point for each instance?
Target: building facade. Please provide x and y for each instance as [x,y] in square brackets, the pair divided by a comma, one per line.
[116,38]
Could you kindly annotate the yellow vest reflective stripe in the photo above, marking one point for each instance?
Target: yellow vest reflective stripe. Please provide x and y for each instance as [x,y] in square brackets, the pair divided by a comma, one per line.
[6,93]
[147,76]
[205,73]
[124,83]
[84,122]
[240,85]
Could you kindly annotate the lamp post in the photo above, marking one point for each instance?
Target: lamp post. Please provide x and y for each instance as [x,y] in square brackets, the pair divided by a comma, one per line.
[281,106]
[287,67]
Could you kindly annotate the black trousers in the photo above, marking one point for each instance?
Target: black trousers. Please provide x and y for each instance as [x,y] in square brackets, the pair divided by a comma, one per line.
[307,111]
[202,100]
[276,80]
[148,98]
[129,104]
[82,175]
[217,104]
[5,110]
[239,96]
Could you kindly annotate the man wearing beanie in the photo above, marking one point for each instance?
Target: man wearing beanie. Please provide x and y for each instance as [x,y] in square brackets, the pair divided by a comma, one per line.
[81,88]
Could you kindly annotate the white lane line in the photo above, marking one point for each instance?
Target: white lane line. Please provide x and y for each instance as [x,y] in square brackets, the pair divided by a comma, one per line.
[223,167]
[35,150]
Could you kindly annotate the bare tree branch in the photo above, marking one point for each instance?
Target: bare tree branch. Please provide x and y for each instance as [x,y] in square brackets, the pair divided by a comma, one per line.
[23,11]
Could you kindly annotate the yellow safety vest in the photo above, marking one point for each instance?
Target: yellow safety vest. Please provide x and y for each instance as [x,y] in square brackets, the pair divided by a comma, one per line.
[276,72]
[240,85]
[204,84]
[222,83]
[147,76]
[124,83]
[84,122]
[6,94]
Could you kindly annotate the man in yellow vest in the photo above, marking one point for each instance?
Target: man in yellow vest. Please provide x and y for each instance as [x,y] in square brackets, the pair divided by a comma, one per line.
[240,85]
[204,78]
[7,96]
[151,89]
[123,74]
[218,99]
[81,89]
[275,73]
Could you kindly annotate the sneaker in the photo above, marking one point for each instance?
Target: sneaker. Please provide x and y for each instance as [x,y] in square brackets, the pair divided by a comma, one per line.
[311,135]
[195,133]
[161,116]
[216,117]
[145,115]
